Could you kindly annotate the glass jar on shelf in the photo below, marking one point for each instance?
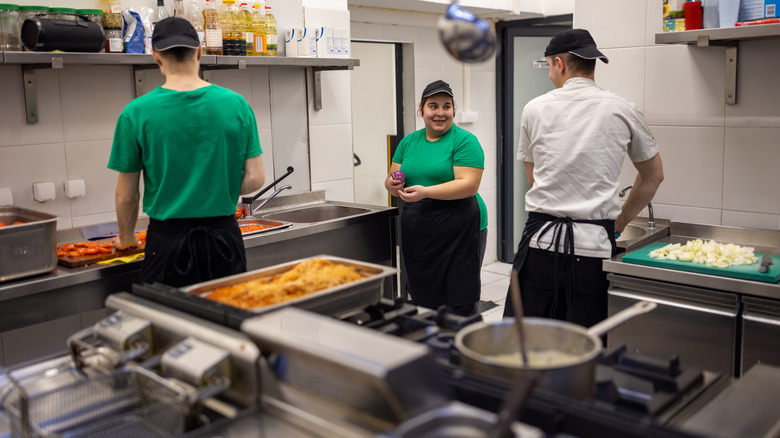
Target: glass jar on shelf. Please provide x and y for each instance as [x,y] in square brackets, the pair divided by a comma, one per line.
[26,12]
[114,42]
[62,13]
[9,28]
[29,12]
[95,15]
[112,14]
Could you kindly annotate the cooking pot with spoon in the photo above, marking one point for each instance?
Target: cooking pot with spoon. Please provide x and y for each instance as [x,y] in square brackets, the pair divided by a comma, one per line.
[562,353]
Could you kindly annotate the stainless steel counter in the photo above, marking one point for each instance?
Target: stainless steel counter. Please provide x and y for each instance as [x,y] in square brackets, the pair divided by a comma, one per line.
[708,321]
[368,236]
[764,241]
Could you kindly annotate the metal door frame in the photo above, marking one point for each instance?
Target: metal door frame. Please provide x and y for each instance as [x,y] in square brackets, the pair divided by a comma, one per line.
[506,31]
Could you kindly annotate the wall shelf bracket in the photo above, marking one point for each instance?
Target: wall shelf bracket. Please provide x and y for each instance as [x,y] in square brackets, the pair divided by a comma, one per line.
[317,82]
[31,87]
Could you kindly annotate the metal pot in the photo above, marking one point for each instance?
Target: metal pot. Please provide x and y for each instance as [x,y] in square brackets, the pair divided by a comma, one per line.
[481,343]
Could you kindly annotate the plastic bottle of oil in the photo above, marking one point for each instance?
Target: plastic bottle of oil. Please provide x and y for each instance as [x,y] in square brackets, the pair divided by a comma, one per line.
[270,23]
[258,28]
[213,29]
[249,37]
[195,17]
[233,42]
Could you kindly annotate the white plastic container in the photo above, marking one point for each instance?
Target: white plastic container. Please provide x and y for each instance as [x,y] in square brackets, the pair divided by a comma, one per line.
[710,15]
[729,12]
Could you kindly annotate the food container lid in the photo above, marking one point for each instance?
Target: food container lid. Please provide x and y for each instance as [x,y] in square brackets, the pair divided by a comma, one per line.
[63,10]
[90,11]
[35,8]
[9,7]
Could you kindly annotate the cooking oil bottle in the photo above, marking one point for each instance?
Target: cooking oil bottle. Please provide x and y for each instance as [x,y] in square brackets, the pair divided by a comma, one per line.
[249,37]
[270,23]
[213,29]
[233,42]
[258,28]
[195,17]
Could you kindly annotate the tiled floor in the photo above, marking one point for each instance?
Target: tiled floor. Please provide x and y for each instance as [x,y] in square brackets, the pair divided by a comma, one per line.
[495,283]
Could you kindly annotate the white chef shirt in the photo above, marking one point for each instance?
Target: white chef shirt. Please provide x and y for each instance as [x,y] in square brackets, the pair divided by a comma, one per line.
[577,137]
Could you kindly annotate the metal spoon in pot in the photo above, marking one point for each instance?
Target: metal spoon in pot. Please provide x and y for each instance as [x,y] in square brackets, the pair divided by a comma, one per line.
[524,383]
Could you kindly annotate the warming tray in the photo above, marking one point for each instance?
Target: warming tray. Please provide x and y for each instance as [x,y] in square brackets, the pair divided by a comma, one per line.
[26,249]
[339,301]
[272,226]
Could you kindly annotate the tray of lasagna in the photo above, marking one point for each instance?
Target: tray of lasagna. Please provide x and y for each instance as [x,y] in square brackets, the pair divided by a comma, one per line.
[324,284]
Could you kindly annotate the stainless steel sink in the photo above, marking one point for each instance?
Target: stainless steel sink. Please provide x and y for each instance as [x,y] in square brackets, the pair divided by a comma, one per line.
[632,232]
[317,213]
[637,233]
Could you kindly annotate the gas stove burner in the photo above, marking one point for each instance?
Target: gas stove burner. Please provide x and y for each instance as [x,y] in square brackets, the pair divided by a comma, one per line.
[648,385]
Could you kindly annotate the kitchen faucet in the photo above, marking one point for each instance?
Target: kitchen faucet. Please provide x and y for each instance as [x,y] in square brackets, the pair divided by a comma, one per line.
[248,200]
[288,186]
[651,222]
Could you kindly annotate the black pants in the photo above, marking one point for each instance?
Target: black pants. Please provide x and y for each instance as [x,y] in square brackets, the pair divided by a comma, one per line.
[589,304]
[181,252]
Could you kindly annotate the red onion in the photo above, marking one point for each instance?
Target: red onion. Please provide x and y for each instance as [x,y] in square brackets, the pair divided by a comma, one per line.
[399,175]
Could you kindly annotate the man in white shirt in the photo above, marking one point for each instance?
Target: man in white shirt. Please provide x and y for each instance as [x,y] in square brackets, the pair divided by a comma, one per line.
[573,141]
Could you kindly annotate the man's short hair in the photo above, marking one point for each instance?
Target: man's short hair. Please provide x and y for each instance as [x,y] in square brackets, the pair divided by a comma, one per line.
[578,65]
[179,54]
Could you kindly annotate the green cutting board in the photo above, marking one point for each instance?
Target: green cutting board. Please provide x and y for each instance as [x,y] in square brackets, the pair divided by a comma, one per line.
[747,272]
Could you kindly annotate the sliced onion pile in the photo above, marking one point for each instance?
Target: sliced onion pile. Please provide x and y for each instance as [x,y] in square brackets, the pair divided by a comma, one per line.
[709,253]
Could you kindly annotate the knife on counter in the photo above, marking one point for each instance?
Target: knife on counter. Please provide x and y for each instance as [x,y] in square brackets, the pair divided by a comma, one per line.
[765,262]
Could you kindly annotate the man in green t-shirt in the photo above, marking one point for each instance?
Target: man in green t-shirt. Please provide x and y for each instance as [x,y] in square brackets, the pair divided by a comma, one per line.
[198,148]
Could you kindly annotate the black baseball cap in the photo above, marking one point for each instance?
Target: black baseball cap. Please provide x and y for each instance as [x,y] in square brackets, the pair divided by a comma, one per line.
[437,87]
[577,42]
[174,32]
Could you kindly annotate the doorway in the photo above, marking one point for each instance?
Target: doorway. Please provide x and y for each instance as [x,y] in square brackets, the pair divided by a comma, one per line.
[521,75]
[377,117]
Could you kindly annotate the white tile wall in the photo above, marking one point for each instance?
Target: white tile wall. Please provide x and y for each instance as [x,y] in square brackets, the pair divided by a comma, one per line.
[751,177]
[757,90]
[339,190]
[750,220]
[92,99]
[87,160]
[693,166]
[336,100]
[624,63]
[684,85]
[14,129]
[330,159]
[626,22]
[24,165]
[692,215]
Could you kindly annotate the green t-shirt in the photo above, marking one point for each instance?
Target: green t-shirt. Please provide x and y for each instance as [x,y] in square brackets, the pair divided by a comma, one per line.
[191,146]
[428,163]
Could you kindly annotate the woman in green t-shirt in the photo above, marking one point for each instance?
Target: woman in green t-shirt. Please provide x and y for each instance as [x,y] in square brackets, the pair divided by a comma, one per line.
[441,213]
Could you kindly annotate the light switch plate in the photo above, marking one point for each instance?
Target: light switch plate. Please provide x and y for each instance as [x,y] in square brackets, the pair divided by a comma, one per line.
[6,197]
[75,188]
[43,191]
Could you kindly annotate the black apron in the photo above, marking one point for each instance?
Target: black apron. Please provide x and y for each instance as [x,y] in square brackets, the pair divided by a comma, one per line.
[440,245]
[562,229]
[181,252]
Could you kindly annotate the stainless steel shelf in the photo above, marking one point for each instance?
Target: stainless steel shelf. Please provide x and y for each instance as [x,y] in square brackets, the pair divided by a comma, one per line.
[68,58]
[728,37]
[31,61]
[719,36]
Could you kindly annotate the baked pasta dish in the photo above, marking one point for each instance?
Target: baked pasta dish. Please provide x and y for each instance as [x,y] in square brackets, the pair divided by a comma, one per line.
[306,277]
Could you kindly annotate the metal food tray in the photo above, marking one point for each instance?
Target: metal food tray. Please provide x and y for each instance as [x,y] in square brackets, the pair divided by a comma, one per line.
[131,402]
[272,225]
[27,249]
[340,301]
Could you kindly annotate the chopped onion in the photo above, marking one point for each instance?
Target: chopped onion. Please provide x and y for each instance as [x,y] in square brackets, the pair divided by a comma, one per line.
[709,253]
